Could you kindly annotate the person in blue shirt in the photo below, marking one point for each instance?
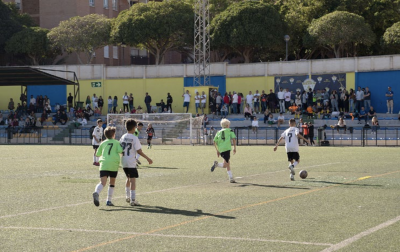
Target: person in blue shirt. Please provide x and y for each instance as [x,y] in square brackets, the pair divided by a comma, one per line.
[389,97]
[362,115]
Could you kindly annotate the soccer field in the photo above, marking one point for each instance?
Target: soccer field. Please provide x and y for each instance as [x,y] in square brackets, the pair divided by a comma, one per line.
[349,202]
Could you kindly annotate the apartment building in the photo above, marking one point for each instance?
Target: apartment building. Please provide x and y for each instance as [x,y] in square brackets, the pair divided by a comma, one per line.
[49,13]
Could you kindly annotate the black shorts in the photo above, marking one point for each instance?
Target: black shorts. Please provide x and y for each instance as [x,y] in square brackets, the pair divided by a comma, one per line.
[131,172]
[293,156]
[95,147]
[149,137]
[107,174]
[226,155]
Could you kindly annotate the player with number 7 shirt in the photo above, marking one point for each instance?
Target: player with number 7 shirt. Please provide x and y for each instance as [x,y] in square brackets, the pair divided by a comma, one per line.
[291,136]
[131,146]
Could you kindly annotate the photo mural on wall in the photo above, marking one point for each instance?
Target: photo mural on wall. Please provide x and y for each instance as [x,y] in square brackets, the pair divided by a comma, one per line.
[317,82]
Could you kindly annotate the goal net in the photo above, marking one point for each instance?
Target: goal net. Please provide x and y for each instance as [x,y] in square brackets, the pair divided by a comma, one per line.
[169,128]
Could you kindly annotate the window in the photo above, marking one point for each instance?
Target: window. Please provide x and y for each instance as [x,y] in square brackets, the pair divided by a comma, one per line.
[115,52]
[91,3]
[115,5]
[106,52]
[135,52]
[105,4]
[133,2]
[18,4]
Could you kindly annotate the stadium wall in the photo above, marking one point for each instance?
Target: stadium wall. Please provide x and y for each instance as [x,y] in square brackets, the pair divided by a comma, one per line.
[378,83]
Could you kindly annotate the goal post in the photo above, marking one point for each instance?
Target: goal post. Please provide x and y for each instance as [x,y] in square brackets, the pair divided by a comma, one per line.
[170,128]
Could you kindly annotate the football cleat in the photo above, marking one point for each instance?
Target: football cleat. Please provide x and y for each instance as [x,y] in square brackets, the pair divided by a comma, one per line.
[128,200]
[134,203]
[291,177]
[214,165]
[291,168]
[109,203]
[232,180]
[96,199]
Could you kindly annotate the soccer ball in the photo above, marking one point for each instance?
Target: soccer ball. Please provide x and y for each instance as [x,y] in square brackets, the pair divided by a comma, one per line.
[303,174]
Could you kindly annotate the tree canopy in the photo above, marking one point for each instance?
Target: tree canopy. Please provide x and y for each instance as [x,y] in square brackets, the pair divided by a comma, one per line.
[391,38]
[157,26]
[9,25]
[243,27]
[342,32]
[82,35]
[33,42]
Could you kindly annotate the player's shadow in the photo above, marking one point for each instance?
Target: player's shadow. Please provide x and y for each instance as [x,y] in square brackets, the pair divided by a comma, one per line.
[340,183]
[159,167]
[271,186]
[165,210]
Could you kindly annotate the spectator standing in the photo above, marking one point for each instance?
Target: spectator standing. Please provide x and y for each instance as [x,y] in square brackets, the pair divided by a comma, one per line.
[203,101]
[95,101]
[288,97]
[197,101]
[186,100]
[367,98]
[125,102]
[281,98]
[272,101]
[256,98]
[33,100]
[334,101]
[226,99]
[147,101]
[249,100]
[169,102]
[346,101]
[263,100]
[389,97]
[359,98]
[109,104]
[352,99]
[240,103]
[115,104]
[311,133]
[88,102]
[310,96]
[235,100]
[70,100]
[130,101]
[297,99]
[219,102]
[11,104]
[101,104]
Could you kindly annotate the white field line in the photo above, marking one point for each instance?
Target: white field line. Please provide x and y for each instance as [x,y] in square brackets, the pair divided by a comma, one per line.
[355,238]
[143,193]
[165,235]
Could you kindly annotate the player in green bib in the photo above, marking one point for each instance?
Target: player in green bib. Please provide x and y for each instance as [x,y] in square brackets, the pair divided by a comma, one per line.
[109,152]
[137,131]
[222,143]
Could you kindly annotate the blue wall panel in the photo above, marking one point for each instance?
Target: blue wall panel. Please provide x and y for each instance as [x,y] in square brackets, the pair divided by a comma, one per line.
[56,93]
[216,81]
[378,83]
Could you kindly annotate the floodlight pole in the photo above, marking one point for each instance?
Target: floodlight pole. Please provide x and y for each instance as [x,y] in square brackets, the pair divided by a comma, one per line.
[201,43]
[286,38]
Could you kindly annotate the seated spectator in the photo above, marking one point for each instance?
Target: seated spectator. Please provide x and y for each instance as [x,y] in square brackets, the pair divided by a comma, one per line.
[133,111]
[310,112]
[1,119]
[47,107]
[371,112]
[266,115]
[362,115]
[341,125]
[254,124]
[293,108]
[43,117]
[375,125]
[271,119]
[248,112]
[63,118]
[84,121]
[97,112]
[205,120]
[57,117]
[111,123]
[33,118]
[165,110]
[224,111]
[139,110]
[281,119]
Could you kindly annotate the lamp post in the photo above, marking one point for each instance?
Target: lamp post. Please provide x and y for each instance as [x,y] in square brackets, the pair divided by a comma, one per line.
[286,38]
[123,53]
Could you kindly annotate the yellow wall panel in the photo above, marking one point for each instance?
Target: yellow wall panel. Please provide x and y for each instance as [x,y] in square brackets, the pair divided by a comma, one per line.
[350,81]
[246,84]
[9,92]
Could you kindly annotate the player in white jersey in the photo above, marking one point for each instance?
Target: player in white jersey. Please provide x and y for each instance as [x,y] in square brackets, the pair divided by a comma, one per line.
[291,136]
[96,141]
[131,146]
